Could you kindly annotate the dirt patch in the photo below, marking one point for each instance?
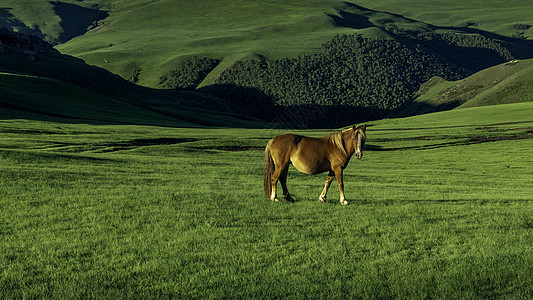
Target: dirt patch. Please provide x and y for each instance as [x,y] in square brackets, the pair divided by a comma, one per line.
[22,131]
[484,139]
[528,134]
[128,145]
[229,148]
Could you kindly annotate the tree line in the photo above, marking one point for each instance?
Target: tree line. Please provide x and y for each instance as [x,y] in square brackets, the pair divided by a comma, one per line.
[358,76]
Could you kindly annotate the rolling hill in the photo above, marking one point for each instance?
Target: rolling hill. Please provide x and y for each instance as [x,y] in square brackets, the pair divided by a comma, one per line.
[511,82]
[37,82]
[149,42]
[143,40]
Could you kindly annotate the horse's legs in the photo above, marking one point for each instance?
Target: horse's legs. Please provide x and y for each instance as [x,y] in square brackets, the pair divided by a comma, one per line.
[322,197]
[277,174]
[340,183]
[283,180]
[274,182]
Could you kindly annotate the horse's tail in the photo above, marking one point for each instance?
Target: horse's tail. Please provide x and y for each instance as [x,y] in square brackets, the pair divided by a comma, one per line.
[269,170]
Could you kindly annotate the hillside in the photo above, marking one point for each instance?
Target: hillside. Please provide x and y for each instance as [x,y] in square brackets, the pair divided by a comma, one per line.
[510,82]
[170,32]
[54,21]
[143,40]
[263,58]
[267,64]
[37,82]
[502,18]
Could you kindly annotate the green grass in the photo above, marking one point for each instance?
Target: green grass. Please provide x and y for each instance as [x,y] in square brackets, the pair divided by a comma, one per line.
[502,84]
[493,16]
[142,40]
[510,86]
[153,37]
[56,86]
[157,35]
[441,208]
[41,97]
[55,21]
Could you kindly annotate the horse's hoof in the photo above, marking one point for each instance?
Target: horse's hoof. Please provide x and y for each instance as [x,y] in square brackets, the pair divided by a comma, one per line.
[322,200]
[275,199]
[290,199]
[345,202]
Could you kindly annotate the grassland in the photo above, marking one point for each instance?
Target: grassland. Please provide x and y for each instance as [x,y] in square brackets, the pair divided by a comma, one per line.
[441,208]
[102,195]
[142,41]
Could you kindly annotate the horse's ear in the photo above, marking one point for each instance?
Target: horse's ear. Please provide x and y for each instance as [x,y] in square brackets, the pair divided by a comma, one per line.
[354,128]
[364,127]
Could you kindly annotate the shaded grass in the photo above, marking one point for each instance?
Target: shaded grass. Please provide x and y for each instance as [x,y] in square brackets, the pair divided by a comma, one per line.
[188,219]
[53,98]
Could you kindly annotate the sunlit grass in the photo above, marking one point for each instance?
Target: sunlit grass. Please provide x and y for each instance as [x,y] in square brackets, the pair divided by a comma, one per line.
[437,211]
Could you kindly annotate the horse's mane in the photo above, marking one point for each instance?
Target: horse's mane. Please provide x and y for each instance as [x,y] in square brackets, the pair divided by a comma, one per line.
[336,139]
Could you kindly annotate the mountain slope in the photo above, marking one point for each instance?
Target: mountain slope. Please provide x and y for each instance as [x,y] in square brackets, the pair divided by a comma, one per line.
[54,21]
[149,42]
[143,40]
[36,81]
[32,97]
[510,82]
[498,17]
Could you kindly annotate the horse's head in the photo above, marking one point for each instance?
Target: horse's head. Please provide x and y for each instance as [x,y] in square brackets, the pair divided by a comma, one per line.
[359,138]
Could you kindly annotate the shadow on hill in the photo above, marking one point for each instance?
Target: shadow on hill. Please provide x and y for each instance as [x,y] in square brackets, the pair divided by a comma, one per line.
[244,100]
[518,53]
[255,103]
[521,48]
[414,108]
[75,19]
[56,87]
[10,22]
[351,20]
[310,116]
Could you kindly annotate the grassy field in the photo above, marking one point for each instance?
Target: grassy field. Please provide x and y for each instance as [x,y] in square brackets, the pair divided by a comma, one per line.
[93,207]
[441,208]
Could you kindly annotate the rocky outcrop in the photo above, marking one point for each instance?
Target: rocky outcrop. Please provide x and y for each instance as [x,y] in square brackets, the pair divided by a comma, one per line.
[30,45]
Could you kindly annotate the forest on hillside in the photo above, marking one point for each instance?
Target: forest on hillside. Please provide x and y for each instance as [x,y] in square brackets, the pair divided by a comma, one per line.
[350,79]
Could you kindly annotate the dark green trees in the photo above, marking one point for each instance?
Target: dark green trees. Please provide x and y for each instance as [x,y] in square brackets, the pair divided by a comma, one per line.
[352,73]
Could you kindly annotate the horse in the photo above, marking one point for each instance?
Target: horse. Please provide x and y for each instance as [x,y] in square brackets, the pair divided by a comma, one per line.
[310,155]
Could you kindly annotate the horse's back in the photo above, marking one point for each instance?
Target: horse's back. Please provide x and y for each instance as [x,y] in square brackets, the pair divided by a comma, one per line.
[285,143]
[291,142]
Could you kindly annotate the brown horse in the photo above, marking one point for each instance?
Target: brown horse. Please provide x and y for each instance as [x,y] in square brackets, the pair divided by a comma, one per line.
[309,155]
